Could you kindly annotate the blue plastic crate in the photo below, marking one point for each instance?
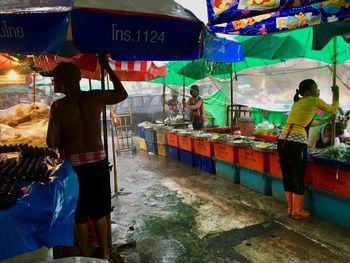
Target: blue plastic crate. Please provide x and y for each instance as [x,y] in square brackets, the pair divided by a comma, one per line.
[150,135]
[229,171]
[254,180]
[186,157]
[152,147]
[277,188]
[141,132]
[204,163]
[332,207]
[174,152]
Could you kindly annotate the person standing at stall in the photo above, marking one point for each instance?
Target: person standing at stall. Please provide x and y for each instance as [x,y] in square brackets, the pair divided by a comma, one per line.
[292,143]
[75,129]
[173,104]
[196,106]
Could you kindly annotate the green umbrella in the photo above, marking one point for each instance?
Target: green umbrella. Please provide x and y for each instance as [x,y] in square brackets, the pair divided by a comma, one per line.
[292,44]
[173,78]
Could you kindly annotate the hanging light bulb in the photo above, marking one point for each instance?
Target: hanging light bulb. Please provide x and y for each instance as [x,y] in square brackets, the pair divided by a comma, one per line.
[12,75]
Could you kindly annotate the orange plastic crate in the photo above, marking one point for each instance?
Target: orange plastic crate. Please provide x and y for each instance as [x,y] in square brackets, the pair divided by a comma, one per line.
[185,143]
[331,179]
[204,148]
[253,159]
[172,139]
[275,168]
[226,152]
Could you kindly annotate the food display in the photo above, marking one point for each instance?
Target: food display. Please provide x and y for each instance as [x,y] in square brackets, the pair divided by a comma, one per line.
[24,123]
[339,152]
[31,164]
[265,146]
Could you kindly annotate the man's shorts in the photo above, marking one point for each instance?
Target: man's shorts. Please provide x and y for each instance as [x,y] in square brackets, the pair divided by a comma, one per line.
[94,199]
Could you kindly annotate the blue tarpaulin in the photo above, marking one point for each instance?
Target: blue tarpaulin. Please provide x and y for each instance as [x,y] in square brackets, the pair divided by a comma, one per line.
[42,216]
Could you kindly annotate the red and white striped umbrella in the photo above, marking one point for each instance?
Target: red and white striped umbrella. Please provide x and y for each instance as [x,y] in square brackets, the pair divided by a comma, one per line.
[87,63]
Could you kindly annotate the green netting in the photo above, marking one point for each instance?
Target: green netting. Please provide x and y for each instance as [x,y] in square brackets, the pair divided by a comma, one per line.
[216,106]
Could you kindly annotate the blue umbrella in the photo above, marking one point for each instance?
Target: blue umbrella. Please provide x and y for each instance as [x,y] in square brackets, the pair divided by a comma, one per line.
[128,30]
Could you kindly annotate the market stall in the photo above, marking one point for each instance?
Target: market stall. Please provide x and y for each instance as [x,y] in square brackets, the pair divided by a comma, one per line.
[253,162]
[38,197]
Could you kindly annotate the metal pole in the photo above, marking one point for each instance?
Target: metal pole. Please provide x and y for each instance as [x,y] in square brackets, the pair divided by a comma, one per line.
[104,115]
[34,87]
[183,98]
[105,143]
[115,175]
[163,99]
[334,83]
[231,95]
[90,85]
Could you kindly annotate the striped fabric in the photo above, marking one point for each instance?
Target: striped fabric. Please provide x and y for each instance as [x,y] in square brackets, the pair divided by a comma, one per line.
[294,137]
[83,158]
[142,66]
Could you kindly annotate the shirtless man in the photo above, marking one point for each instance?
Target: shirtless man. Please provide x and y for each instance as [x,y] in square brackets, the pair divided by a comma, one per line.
[74,128]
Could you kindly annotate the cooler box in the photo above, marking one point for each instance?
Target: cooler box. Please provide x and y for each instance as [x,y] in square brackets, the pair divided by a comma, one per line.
[143,145]
[151,147]
[162,136]
[204,163]
[186,157]
[331,179]
[162,149]
[227,170]
[275,168]
[172,139]
[150,135]
[253,159]
[204,147]
[173,152]
[186,142]
[141,132]
[255,180]
[226,152]
[277,189]
[332,207]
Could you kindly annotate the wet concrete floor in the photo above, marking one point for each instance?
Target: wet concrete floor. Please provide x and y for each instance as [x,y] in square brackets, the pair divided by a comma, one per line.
[167,211]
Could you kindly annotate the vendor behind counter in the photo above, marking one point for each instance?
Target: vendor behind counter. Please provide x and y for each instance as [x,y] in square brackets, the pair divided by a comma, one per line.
[321,136]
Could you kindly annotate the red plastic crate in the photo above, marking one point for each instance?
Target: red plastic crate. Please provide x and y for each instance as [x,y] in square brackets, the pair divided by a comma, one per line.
[331,179]
[226,152]
[204,147]
[185,142]
[253,159]
[172,139]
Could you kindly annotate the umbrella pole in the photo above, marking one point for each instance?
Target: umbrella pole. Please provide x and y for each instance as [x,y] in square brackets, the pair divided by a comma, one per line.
[105,143]
[34,87]
[183,98]
[163,99]
[90,85]
[115,175]
[231,98]
[334,83]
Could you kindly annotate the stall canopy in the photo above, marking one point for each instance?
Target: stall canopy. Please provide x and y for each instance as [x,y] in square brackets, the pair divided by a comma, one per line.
[128,30]
[87,63]
[293,44]
[322,34]
[258,17]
